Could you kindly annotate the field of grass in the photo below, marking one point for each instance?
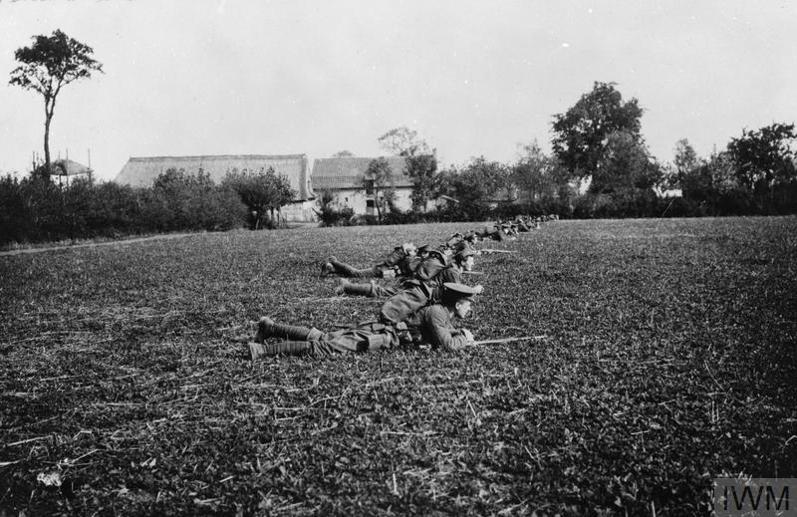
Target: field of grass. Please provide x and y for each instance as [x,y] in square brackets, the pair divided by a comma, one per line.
[670,360]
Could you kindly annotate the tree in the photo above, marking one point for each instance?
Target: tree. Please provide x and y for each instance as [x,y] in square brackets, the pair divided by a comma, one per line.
[47,66]
[263,192]
[378,182]
[403,141]
[710,180]
[475,186]
[685,161]
[625,165]
[581,134]
[764,158]
[422,168]
[421,162]
[538,175]
[343,154]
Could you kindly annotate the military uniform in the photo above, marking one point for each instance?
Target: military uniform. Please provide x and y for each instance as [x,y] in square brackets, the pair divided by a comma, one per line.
[394,259]
[424,289]
[432,325]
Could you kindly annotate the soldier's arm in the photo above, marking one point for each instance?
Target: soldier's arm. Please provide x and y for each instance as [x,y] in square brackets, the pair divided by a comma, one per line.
[442,334]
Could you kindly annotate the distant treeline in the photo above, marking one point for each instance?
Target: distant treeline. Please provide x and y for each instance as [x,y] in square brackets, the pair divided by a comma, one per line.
[35,209]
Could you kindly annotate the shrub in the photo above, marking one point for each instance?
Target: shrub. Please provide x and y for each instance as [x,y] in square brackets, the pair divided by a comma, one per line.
[330,214]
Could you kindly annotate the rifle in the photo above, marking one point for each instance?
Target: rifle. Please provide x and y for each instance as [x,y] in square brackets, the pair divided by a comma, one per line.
[472,272]
[488,251]
[509,340]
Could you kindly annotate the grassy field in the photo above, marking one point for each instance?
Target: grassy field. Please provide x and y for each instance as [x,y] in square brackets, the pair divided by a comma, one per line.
[670,360]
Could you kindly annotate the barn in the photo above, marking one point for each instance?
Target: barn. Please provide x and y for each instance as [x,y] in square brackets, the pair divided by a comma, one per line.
[343,177]
[142,171]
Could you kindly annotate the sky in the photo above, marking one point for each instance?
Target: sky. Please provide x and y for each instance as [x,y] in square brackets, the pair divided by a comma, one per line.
[473,78]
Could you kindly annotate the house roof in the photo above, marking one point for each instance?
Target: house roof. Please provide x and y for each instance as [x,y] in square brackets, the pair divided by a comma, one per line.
[347,172]
[141,172]
[69,167]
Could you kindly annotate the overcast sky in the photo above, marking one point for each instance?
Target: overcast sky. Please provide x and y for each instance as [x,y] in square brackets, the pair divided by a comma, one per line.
[316,77]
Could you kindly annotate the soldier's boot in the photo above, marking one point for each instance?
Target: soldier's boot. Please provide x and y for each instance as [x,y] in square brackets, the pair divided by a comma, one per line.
[327,269]
[263,329]
[358,289]
[283,348]
[266,328]
[341,288]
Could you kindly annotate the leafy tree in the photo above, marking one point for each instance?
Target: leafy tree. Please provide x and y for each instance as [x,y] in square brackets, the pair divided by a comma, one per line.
[378,182]
[263,192]
[421,162]
[625,165]
[710,180]
[686,158]
[475,185]
[684,163]
[764,158]
[581,134]
[538,175]
[343,154]
[422,168]
[47,66]
[403,141]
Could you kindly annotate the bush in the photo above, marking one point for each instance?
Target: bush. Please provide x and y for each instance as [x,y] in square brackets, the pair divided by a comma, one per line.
[330,214]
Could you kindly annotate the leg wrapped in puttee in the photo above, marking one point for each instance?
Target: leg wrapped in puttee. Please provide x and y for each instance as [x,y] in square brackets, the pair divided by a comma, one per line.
[371,290]
[282,348]
[266,328]
[348,271]
[368,337]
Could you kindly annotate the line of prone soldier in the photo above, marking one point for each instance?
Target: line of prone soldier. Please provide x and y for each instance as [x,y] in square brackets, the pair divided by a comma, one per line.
[428,294]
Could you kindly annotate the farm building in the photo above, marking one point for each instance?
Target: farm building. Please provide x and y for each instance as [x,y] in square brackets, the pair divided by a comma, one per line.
[343,177]
[141,172]
[65,169]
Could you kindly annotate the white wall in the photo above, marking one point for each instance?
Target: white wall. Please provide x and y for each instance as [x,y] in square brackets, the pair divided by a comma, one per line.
[357,199]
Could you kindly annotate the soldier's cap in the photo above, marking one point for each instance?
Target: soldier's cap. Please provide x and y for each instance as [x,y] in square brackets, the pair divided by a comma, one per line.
[453,292]
[426,248]
[465,252]
[454,239]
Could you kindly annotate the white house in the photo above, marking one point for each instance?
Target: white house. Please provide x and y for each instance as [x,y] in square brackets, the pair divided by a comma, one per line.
[343,177]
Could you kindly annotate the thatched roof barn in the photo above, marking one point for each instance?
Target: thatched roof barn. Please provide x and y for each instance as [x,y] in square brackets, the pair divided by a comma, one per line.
[141,172]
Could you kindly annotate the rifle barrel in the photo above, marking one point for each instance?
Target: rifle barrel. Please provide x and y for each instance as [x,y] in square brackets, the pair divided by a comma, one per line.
[509,340]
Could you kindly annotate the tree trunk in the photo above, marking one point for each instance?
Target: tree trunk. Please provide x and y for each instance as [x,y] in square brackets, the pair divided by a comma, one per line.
[47,145]
[48,117]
